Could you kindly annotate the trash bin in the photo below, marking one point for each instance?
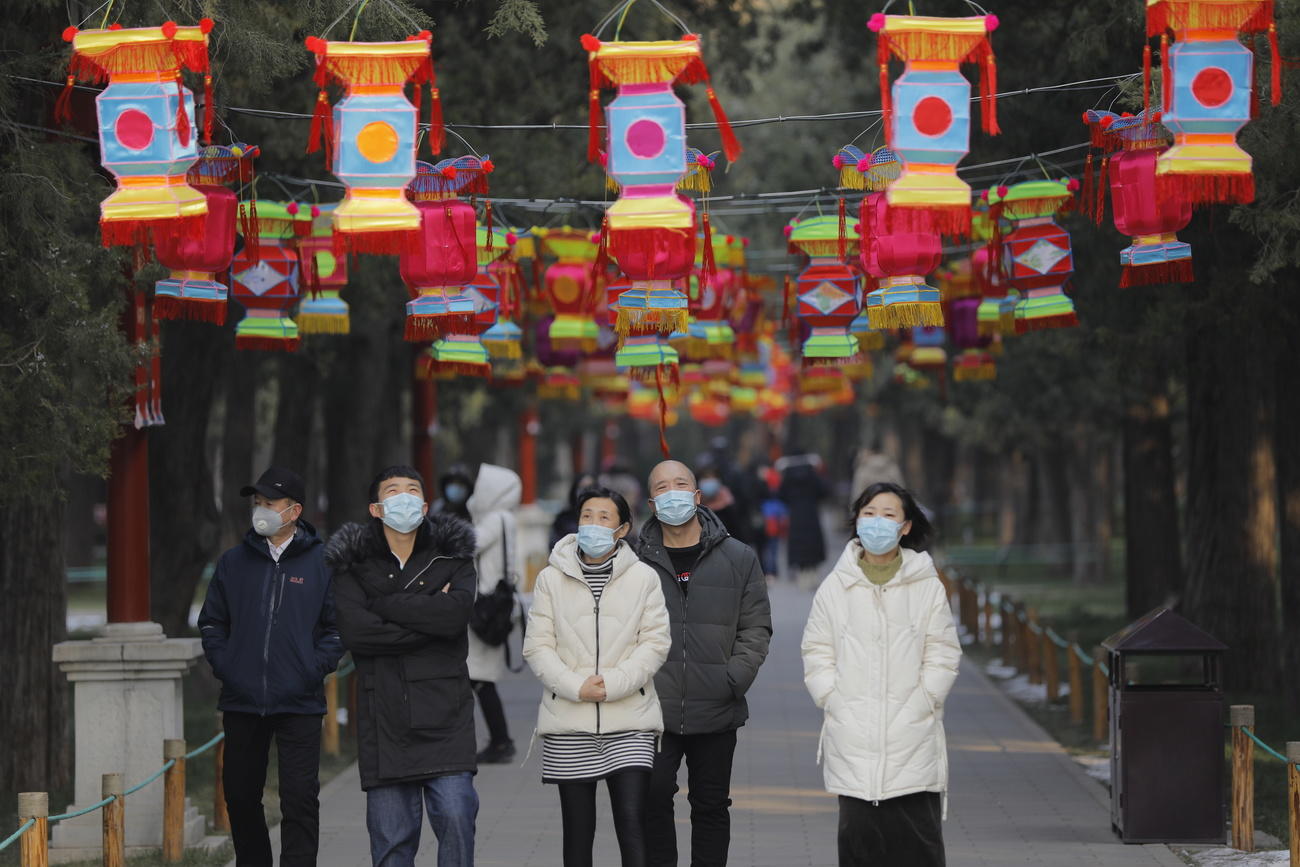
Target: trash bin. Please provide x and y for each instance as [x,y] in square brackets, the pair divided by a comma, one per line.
[1166,731]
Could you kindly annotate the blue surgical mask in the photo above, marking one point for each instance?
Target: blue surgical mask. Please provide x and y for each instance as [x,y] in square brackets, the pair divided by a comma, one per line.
[710,487]
[879,535]
[456,492]
[596,540]
[675,507]
[403,512]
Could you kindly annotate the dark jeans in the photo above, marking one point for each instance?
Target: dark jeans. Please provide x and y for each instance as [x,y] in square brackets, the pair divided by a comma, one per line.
[493,712]
[627,801]
[394,815]
[247,750]
[903,831]
[708,777]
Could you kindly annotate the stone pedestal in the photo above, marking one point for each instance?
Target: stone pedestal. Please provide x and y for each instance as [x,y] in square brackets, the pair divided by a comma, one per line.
[127,700]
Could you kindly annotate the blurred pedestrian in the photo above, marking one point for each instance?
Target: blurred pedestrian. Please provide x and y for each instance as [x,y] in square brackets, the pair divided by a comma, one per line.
[880,655]
[802,490]
[597,633]
[776,522]
[718,499]
[455,487]
[566,520]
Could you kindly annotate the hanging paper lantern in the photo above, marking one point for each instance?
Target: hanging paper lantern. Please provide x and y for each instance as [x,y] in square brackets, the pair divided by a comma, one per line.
[193,291]
[502,338]
[1207,93]
[571,287]
[709,333]
[928,352]
[370,139]
[324,275]
[1038,254]
[828,290]
[651,228]
[269,287]
[464,352]
[147,137]
[974,361]
[900,262]
[927,113]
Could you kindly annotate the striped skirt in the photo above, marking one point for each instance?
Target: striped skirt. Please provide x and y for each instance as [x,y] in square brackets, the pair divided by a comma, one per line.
[583,757]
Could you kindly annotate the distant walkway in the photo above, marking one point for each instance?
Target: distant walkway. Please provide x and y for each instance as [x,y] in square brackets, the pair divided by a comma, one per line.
[1017,798]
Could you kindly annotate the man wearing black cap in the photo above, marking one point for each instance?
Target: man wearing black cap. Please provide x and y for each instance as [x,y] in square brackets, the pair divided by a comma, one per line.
[269,634]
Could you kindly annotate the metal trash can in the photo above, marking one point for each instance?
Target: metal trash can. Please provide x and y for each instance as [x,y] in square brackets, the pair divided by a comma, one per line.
[1166,731]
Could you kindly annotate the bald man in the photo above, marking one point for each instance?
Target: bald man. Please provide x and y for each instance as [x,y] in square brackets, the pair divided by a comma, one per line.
[721,627]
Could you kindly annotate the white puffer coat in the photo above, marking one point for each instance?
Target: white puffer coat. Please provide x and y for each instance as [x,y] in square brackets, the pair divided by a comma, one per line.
[880,660]
[625,640]
[496,495]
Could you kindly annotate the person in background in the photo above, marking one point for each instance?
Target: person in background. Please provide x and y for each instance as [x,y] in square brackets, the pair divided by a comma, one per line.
[880,654]
[776,522]
[597,633]
[720,640]
[268,629]
[497,491]
[802,490]
[405,591]
[718,499]
[455,486]
[566,520]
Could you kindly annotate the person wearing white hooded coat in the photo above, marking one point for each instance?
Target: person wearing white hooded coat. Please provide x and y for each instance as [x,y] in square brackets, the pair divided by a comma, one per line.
[497,492]
[880,654]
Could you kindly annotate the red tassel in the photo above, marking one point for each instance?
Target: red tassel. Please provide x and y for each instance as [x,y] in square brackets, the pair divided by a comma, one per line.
[487,222]
[1146,79]
[1086,194]
[437,131]
[663,411]
[709,271]
[989,95]
[593,126]
[170,307]
[600,268]
[886,99]
[1152,275]
[207,109]
[785,299]
[268,344]
[1166,80]
[730,145]
[842,240]
[63,105]
[182,116]
[321,134]
[1275,58]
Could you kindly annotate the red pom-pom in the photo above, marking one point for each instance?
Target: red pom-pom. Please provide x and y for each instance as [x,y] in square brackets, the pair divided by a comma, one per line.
[425,35]
[488,168]
[991,23]
[115,26]
[169,29]
[1107,120]
[1126,114]
[589,42]
[1002,192]
[744,242]
[788,230]
[314,44]
[707,162]
[604,158]
[511,238]
[595,238]
[864,165]
[449,172]
[315,211]
[691,37]
[731,239]
[1072,185]
[69,33]
[877,22]
[1086,119]
[205,25]
[837,162]
[984,195]
[292,209]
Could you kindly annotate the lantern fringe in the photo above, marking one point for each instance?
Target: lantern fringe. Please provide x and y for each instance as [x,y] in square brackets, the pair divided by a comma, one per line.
[989,327]
[426,328]
[249,227]
[1087,193]
[1232,189]
[696,180]
[1022,209]
[953,221]
[989,95]
[208,109]
[321,134]
[701,348]
[869,341]
[586,345]
[613,187]
[730,144]
[1178,271]
[852,179]
[1146,89]
[182,116]
[324,323]
[1166,80]
[1099,190]
[460,368]
[1246,16]
[985,371]
[268,344]
[138,233]
[369,70]
[905,314]
[199,310]
[1275,65]
[162,57]
[651,373]
[841,238]
[886,96]
[663,410]
[1007,322]
[63,105]
[842,361]
[1043,323]
[504,348]
[650,320]
[709,266]
[383,243]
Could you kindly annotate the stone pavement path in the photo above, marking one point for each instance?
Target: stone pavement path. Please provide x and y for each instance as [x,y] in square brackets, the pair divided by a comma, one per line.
[1017,798]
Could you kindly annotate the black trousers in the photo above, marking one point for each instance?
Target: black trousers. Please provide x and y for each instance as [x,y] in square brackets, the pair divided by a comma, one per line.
[248,749]
[627,801]
[708,778]
[494,714]
[898,832]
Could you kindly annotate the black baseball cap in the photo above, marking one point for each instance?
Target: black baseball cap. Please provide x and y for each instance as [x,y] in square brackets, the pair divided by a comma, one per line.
[275,483]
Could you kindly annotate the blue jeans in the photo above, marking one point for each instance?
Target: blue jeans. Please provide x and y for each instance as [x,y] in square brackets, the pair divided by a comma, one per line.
[393,818]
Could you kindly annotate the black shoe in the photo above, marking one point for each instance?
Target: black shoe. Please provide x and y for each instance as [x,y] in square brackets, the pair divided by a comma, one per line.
[497,754]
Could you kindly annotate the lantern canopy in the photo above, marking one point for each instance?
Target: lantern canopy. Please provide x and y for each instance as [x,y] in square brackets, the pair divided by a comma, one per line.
[324,274]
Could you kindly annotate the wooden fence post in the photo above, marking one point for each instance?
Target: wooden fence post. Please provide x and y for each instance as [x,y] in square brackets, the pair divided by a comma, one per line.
[114,821]
[173,841]
[1242,718]
[1051,663]
[1293,797]
[1100,696]
[1033,649]
[330,737]
[988,618]
[1075,665]
[33,850]
[220,815]
[1008,632]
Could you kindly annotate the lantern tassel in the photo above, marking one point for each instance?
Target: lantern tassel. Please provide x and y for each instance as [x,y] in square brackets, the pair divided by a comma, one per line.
[600,267]
[182,116]
[208,109]
[785,299]
[663,411]
[1099,202]
[1179,271]
[709,271]
[1166,79]
[321,134]
[487,222]
[1087,194]
[1275,59]
[268,344]
[842,240]
[63,105]
[1146,79]
[437,130]
[886,100]
[730,144]
[989,95]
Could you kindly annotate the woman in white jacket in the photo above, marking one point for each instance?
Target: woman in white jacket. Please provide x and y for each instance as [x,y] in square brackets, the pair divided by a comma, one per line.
[880,654]
[597,633]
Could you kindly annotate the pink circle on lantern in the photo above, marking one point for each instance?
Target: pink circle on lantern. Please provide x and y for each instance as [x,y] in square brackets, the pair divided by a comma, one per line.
[932,116]
[645,139]
[134,129]
[1212,87]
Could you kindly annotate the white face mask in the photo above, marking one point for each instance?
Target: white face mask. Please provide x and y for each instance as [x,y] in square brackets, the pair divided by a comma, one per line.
[403,512]
[267,521]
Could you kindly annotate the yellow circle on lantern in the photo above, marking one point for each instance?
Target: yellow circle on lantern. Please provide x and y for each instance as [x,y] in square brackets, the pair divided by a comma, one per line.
[377,141]
[325,263]
[565,290]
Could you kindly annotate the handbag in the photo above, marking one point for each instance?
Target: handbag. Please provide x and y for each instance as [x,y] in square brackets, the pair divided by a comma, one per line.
[492,617]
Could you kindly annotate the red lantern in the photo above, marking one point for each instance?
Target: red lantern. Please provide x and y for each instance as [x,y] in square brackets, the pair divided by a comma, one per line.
[193,290]
[1151,217]
[437,268]
[900,262]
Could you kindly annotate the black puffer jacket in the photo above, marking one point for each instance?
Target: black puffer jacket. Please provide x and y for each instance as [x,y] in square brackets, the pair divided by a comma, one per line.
[408,637]
[721,628]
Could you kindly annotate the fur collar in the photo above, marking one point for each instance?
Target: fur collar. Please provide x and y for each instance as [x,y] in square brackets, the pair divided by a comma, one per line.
[447,535]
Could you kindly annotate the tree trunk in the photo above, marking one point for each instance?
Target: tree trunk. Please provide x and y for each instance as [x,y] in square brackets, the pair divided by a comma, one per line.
[185,526]
[35,712]
[1152,555]
[237,446]
[1287,423]
[81,534]
[1083,503]
[1013,493]
[352,418]
[294,414]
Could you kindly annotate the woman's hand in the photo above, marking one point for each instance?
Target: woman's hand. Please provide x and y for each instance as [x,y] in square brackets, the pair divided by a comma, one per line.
[593,689]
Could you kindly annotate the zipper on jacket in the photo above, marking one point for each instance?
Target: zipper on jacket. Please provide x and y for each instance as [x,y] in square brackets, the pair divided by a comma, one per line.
[596,601]
[884,685]
[270,620]
[686,607]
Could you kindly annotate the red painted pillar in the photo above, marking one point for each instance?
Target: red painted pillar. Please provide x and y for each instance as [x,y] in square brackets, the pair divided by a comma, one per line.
[528,429]
[424,419]
[609,445]
[577,448]
[128,492]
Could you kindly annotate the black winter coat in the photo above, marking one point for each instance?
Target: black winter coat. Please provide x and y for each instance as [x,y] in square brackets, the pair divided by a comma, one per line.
[802,490]
[415,708]
[268,628]
[721,627]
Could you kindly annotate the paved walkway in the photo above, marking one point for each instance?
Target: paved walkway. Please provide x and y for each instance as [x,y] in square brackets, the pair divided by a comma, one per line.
[1017,798]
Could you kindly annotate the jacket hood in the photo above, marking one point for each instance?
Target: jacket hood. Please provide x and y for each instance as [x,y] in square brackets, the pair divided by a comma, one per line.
[497,489]
[917,566]
[712,530]
[304,537]
[566,558]
[353,543]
